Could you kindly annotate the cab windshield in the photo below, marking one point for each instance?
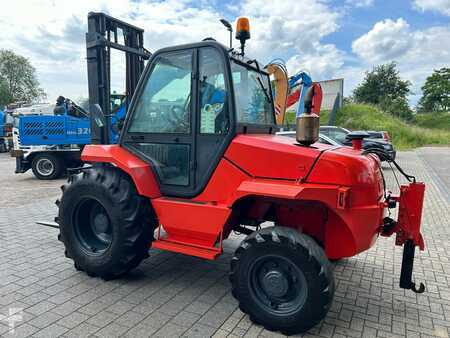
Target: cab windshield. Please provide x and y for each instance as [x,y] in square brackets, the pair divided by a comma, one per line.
[252,93]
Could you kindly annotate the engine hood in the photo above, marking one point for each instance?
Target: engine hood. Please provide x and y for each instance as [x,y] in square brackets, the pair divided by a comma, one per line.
[280,157]
[273,156]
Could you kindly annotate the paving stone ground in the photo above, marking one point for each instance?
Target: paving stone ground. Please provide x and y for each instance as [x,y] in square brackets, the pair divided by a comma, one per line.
[172,295]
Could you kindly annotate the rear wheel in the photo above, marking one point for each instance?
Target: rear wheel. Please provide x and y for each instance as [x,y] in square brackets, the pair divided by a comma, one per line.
[282,280]
[106,227]
[47,166]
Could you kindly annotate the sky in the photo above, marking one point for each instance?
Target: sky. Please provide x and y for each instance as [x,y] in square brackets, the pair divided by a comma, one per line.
[327,38]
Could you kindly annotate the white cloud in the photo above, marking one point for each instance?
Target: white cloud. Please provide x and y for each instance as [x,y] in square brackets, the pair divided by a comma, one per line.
[417,52]
[51,33]
[324,63]
[291,27]
[386,40]
[439,6]
[360,3]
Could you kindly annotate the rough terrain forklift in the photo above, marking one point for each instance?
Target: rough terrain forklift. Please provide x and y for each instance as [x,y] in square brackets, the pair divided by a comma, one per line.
[198,158]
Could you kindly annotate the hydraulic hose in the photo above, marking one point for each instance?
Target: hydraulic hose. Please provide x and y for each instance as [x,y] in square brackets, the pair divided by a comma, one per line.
[384,156]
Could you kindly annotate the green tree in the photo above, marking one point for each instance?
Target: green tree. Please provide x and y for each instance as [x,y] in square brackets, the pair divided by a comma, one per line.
[5,98]
[384,87]
[348,100]
[436,92]
[381,83]
[397,107]
[18,80]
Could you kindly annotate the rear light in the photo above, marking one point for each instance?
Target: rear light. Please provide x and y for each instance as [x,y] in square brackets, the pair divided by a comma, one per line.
[386,136]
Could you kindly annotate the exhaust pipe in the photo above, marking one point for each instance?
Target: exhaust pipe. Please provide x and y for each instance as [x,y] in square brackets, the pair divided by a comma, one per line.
[307,129]
[308,120]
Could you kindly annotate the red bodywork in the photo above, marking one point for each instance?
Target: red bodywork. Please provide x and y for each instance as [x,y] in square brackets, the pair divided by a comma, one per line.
[410,203]
[334,194]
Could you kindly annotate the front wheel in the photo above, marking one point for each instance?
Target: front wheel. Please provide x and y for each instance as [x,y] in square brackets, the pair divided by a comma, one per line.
[282,280]
[47,166]
[106,227]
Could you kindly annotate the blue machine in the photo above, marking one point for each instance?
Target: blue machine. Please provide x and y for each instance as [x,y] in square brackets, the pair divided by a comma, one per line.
[303,79]
[48,144]
[119,112]
[2,123]
[3,133]
[69,125]
[54,130]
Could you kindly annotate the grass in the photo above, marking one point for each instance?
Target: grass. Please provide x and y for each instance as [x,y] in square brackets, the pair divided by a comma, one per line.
[404,135]
[433,120]
[290,118]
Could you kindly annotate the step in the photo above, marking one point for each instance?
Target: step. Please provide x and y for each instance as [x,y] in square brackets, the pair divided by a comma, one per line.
[187,249]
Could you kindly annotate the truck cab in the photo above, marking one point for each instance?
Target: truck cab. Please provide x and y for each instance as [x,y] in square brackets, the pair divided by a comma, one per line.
[6,124]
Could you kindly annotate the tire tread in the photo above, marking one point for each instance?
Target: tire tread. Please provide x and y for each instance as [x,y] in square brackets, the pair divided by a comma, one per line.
[136,218]
[300,242]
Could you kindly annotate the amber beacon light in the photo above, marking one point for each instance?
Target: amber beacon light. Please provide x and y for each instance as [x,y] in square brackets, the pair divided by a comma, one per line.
[242,32]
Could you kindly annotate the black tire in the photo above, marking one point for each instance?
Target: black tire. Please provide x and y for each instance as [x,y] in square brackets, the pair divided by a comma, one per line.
[3,147]
[282,280]
[46,166]
[106,227]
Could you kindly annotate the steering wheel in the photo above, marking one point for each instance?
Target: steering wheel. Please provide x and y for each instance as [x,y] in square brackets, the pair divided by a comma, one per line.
[179,116]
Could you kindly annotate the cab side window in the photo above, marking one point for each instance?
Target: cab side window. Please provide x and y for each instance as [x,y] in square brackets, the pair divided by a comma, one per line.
[214,113]
[164,106]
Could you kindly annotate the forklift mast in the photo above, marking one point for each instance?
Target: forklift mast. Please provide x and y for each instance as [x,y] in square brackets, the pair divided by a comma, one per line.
[103,34]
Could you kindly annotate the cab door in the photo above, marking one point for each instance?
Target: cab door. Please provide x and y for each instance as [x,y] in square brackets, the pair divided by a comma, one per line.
[162,124]
[214,125]
[180,120]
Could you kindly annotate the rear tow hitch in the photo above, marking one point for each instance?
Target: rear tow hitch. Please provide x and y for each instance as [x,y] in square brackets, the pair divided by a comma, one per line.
[407,229]
[407,268]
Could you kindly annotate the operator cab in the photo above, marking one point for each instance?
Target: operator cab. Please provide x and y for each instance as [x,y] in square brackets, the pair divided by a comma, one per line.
[191,102]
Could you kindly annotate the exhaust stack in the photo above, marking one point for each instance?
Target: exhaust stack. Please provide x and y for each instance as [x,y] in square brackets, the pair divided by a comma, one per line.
[307,129]
[308,120]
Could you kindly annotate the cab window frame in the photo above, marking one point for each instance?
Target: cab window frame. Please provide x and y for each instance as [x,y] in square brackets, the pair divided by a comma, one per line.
[248,127]
[142,87]
[227,89]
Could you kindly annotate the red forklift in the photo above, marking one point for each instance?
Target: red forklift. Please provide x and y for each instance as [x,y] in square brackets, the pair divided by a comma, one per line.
[198,159]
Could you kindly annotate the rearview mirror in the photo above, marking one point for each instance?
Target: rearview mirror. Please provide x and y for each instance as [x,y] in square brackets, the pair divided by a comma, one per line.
[97,115]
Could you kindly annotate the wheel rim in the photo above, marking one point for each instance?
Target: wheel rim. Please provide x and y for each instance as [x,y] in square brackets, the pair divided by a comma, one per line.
[45,167]
[93,226]
[277,284]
